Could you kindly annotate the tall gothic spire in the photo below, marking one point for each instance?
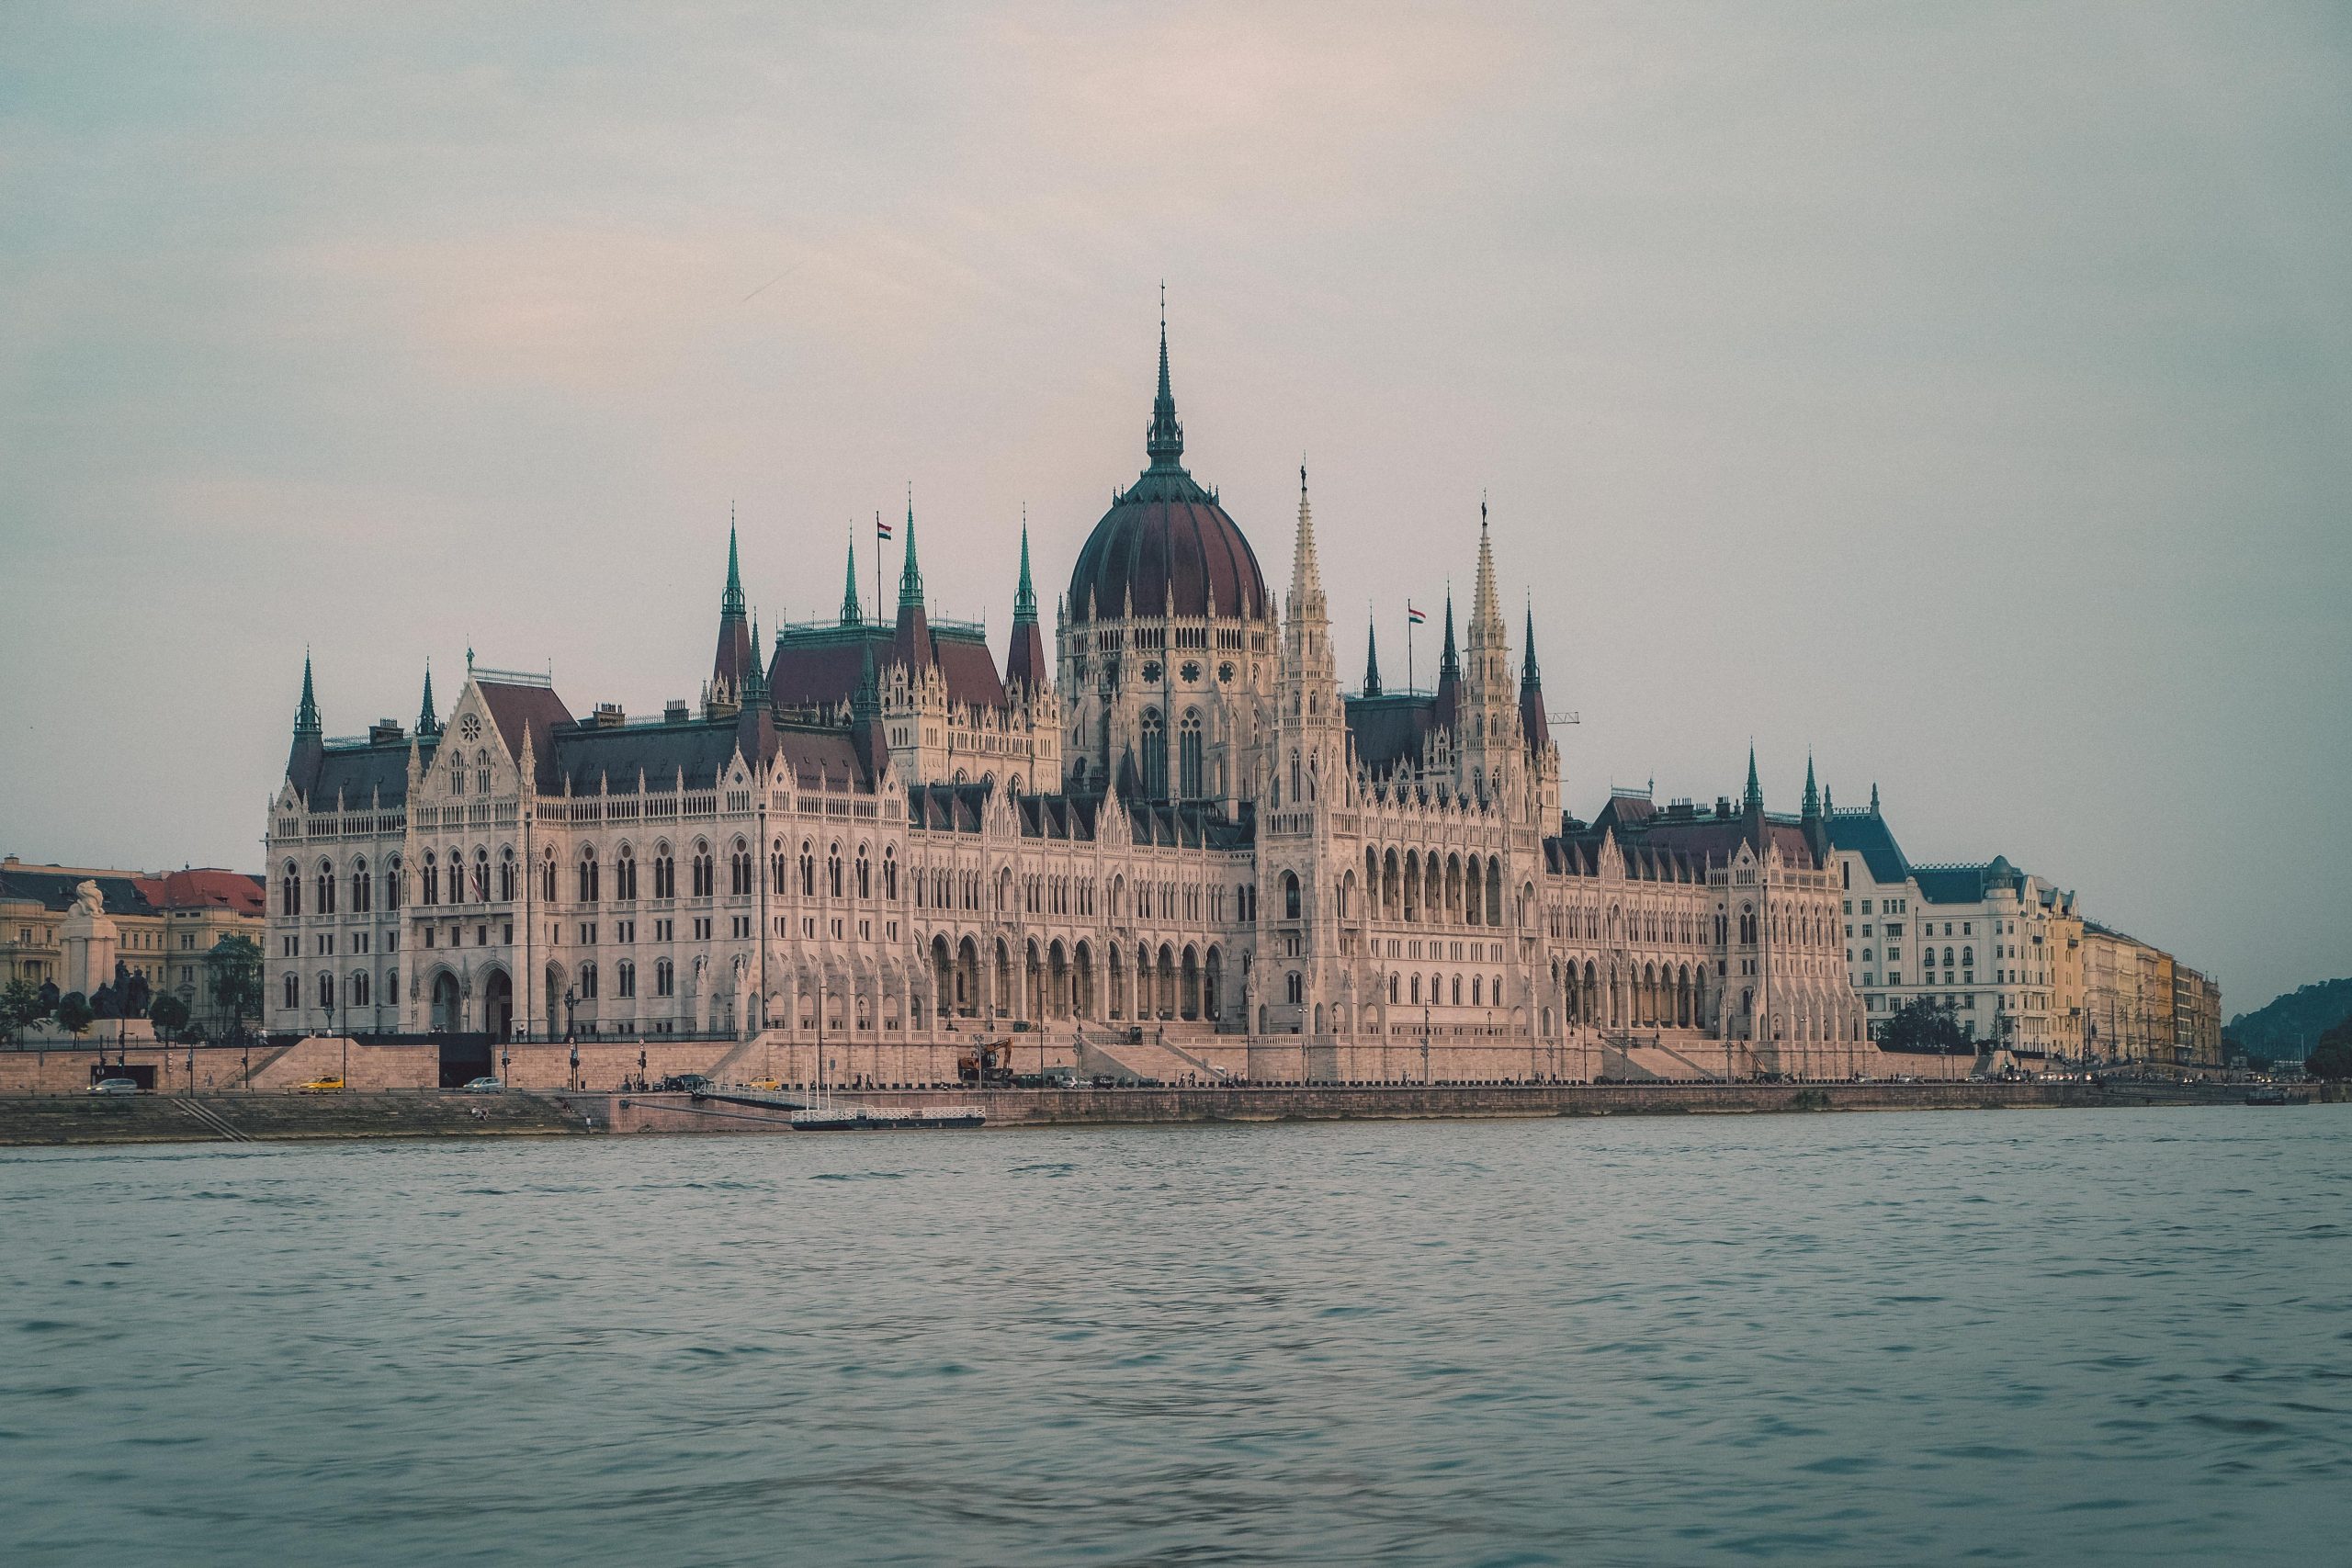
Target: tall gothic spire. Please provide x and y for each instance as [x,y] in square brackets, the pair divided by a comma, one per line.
[1531,678]
[1025,597]
[1534,723]
[429,723]
[730,603]
[1754,799]
[1448,664]
[1485,609]
[910,574]
[306,717]
[1165,441]
[755,676]
[1371,658]
[1811,792]
[851,615]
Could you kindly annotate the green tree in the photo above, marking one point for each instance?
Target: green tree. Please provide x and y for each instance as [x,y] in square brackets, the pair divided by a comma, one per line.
[73,1013]
[2333,1059]
[169,1013]
[234,964]
[21,1005]
[1921,1025]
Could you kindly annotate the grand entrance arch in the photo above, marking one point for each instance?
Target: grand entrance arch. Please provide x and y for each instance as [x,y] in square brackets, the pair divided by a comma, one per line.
[498,1006]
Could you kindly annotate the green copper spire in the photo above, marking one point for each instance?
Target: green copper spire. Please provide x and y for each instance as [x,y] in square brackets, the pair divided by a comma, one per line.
[1449,661]
[851,615]
[1754,799]
[428,722]
[910,574]
[732,602]
[306,718]
[1812,793]
[1371,659]
[1530,676]
[1024,598]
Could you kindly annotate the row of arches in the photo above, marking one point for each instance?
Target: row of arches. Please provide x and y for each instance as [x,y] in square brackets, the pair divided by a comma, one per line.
[1425,886]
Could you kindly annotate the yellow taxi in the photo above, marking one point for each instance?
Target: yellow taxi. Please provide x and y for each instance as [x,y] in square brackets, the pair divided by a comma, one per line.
[320,1086]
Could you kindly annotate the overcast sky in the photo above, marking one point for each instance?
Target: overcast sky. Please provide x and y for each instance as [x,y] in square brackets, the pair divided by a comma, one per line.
[1963,393]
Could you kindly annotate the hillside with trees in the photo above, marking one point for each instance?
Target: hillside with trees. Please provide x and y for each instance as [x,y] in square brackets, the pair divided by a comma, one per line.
[2291,1026]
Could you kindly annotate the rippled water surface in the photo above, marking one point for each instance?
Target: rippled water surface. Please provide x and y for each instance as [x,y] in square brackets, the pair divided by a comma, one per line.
[2040,1337]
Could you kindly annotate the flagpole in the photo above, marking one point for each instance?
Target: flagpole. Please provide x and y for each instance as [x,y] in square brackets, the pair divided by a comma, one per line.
[878,566]
[1408,644]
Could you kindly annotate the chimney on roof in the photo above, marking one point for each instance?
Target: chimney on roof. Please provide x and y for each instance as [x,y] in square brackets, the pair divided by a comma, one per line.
[385,731]
[674,711]
[608,715]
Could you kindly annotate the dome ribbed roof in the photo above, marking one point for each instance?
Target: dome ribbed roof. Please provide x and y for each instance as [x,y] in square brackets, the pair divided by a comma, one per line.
[1165,534]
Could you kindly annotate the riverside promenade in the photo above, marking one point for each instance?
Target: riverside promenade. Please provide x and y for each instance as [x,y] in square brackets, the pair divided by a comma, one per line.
[265,1117]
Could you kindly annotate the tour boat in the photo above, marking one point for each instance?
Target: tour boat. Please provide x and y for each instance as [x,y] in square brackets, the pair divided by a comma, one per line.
[884,1118]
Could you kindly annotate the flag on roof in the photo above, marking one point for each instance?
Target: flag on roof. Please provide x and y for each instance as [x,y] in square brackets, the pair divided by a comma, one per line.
[881,529]
[1413,615]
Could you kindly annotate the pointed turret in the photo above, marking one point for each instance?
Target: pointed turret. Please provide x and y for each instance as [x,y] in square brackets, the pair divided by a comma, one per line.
[755,679]
[1754,799]
[429,723]
[1371,659]
[1027,661]
[1815,820]
[910,644]
[1873,797]
[308,749]
[1449,668]
[851,616]
[736,655]
[1534,724]
[1305,572]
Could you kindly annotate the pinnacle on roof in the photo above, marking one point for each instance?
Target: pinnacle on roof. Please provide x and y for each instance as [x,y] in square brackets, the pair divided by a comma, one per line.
[1305,576]
[1754,799]
[306,718]
[1486,613]
[1873,797]
[1024,598]
[427,721]
[756,675]
[1165,440]
[910,574]
[1531,678]
[1449,661]
[851,615]
[1812,793]
[730,603]
[1371,659]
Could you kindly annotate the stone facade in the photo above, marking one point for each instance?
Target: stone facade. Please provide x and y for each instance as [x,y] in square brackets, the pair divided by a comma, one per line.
[1182,848]
[161,926]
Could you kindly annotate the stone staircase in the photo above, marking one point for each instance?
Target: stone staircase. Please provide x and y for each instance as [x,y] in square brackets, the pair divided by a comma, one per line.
[1151,1059]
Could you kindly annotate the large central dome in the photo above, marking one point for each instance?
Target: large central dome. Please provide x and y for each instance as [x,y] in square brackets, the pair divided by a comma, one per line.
[1165,534]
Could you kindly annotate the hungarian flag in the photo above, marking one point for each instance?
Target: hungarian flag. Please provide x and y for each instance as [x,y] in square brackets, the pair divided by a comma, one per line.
[1413,615]
[881,529]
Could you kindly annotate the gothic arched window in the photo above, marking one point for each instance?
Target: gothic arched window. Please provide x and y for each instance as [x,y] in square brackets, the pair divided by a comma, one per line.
[1290,896]
[1188,754]
[1155,753]
[588,878]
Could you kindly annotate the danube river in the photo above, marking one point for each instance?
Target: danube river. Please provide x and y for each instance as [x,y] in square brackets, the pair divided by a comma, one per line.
[2038,1336]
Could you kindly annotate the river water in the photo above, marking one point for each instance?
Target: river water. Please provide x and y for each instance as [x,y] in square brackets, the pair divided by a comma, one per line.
[2041,1337]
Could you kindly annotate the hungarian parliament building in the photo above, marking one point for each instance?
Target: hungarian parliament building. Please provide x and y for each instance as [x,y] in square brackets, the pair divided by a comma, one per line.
[1181,845]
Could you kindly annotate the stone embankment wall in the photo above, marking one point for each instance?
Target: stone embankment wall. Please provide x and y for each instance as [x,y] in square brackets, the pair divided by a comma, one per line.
[264,1118]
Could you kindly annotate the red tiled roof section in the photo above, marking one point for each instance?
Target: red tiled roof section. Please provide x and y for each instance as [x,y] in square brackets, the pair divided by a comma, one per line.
[207,888]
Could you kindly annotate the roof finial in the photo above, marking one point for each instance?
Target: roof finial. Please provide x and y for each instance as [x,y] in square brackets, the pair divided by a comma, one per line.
[1371,654]
[427,721]
[1811,792]
[1754,799]
[1530,675]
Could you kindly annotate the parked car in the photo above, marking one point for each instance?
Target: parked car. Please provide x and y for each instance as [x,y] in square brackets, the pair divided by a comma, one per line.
[320,1086]
[769,1084]
[114,1086]
[683,1083]
[483,1086]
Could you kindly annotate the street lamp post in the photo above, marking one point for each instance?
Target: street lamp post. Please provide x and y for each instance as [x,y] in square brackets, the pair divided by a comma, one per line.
[1425,1047]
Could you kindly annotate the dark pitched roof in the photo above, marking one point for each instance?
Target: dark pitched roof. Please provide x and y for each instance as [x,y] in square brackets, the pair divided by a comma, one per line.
[589,758]
[519,706]
[54,890]
[1865,832]
[1389,732]
[819,667]
[365,774]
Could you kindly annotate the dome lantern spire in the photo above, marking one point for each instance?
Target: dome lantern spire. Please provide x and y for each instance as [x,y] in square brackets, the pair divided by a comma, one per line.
[1165,441]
